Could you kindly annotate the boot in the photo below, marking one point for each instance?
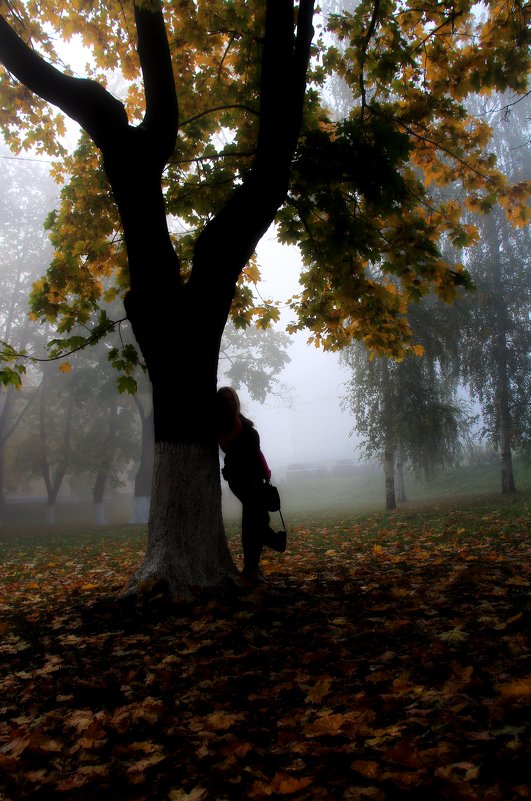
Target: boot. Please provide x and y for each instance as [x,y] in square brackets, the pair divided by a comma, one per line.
[253,575]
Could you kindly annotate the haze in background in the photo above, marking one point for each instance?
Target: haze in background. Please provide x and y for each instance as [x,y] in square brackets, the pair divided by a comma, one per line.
[307,422]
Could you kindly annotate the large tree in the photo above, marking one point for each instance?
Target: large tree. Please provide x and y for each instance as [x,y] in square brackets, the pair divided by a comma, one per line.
[248,145]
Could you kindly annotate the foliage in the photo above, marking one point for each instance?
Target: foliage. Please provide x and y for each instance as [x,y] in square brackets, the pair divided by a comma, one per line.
[253,358]
[359,205]
[496,334]
[387,657]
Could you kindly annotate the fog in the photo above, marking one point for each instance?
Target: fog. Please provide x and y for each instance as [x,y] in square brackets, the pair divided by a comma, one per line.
[308,423]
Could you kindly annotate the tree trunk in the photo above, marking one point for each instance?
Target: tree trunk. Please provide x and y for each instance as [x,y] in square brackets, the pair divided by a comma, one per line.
[144,474]
[399,476]
[389,437]
[187,546]
[5,418]
[2,481]
[502,401]
[109,445]
[53,483]
[50,513]
[389,471]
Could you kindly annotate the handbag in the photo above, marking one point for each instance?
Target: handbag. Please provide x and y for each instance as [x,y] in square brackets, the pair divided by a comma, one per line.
[270,497]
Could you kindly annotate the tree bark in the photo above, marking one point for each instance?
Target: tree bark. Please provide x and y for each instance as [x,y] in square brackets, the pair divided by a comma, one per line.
[186,543]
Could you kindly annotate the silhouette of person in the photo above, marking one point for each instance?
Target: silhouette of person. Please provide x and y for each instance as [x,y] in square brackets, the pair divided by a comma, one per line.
[246,469]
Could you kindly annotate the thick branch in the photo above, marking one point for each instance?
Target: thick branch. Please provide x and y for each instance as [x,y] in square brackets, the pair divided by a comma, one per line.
[159,85]
[85,101]
[237,228]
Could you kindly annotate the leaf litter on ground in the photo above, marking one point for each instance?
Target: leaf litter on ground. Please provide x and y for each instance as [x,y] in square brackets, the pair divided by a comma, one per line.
[387,658]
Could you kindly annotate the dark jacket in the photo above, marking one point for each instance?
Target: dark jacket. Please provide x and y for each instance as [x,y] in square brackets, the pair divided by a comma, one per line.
[243,457]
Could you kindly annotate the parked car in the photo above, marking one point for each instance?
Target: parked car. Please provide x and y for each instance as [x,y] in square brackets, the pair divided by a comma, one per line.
[345,467]
[303,471]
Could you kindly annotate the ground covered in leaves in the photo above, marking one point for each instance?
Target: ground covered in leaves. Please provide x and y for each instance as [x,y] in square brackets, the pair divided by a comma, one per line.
[387,658]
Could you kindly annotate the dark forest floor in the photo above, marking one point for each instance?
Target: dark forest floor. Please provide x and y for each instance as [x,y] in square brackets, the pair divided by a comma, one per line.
[387,658]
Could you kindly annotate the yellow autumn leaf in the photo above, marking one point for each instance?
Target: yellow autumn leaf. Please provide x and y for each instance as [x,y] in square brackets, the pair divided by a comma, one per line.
[65,367]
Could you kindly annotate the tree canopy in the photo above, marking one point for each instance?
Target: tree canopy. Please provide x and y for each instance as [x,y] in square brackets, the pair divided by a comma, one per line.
[359,205]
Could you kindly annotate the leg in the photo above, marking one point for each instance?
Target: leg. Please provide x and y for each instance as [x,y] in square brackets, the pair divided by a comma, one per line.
[255,521]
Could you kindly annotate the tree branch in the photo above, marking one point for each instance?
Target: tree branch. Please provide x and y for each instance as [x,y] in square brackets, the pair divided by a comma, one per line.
[253,205]
[85,101]
[161,116]
[370,33]
[241,106]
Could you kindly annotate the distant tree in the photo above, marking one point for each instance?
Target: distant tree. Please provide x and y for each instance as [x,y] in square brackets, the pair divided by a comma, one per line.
[49,455]
[108,442]
[409,411]
[144,472]
[496,329]
[496,343]
[253,147]
[65,432]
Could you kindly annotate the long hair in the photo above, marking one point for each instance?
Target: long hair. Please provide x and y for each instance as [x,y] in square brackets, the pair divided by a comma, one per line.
[228,409]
